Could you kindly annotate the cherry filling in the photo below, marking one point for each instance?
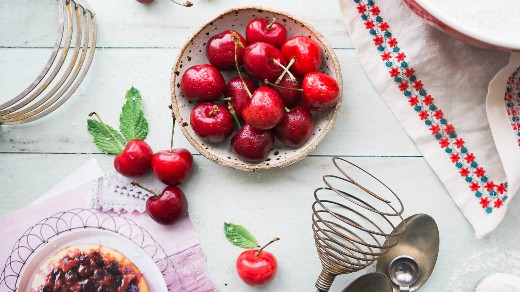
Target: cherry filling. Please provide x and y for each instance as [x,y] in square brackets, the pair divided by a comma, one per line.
[90,272]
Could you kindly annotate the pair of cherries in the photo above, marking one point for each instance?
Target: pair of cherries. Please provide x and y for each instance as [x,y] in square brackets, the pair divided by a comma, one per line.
[264,109]
[171,167]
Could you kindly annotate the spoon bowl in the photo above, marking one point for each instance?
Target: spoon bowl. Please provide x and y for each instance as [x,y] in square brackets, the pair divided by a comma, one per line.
[419,241]
[370,283]
[404,272]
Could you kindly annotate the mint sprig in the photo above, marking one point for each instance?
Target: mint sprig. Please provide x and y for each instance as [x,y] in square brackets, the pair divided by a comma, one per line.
[132,123]
[106,138]
[239,236]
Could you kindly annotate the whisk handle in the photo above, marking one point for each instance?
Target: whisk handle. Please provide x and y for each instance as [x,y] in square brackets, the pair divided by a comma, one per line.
[325,281]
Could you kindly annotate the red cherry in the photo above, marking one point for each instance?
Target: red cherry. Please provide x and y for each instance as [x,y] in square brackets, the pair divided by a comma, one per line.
[257,267]
[252,144]
[320,91]
[220,50]
[239,97]
[264,110]
[306,52]
[260,61]
[260,30]
[290,97]
[296,127]
[203,82]
[135,159]
[168,207]
[173,166]
[212,122]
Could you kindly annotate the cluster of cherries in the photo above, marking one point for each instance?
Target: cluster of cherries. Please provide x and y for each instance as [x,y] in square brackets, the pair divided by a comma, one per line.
[276,97]
[171,167]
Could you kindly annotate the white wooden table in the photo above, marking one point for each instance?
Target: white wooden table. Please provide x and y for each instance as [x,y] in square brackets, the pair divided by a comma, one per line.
[137,45]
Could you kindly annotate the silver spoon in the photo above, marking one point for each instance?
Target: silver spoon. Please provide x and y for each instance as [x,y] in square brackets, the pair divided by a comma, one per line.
[420,241]
[404,272]
[369,283]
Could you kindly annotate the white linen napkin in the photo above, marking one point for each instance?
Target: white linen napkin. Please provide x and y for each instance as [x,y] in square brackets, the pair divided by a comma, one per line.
[437,87]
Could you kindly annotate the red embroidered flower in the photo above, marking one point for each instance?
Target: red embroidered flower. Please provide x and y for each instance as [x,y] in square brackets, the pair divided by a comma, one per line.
[392,42]
[498,203]
[484,202]
[403,85]
[474,186]
[386,56]
[375,10]
[378,40]
[435,129]
[479,171]
[409,71]
[361,8]
[384,26]
[400,57]
[454,157]
[394,72]
[501,188]
[369,24]
[423,115]
[413,100]
[427,100]
[438,114]
[417,85]
[469,157]
[464,172]
[444,142]
[489,186]
[449,128]
[459,142]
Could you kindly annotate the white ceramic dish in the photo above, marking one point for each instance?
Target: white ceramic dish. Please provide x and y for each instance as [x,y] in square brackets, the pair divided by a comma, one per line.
[456,23]
[134,253]
[194,52]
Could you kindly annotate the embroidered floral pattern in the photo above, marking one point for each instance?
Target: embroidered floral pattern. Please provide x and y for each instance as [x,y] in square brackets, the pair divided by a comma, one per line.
[512,100]
[490,195]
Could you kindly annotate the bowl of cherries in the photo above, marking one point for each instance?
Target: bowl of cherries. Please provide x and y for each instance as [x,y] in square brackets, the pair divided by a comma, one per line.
[256,89]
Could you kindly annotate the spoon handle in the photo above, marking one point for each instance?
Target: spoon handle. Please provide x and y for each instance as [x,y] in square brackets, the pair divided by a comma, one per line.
[404,288]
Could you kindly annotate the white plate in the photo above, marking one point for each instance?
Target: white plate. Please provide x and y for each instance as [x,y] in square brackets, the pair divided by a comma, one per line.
[134,253]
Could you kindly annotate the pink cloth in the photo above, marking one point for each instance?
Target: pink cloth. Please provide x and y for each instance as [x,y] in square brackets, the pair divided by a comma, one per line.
[179,243]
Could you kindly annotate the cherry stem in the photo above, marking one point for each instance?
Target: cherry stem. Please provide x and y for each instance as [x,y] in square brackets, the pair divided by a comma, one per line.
[281,87]
[214,110]
[185,4]
[258,252]
[287,109]
[134,183]
[237,42]
[234,115]
[285,71]
[226,99]
[173,128]
[270,25]
[108,130]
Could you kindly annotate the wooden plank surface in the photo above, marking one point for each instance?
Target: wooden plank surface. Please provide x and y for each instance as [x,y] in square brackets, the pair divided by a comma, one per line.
[137,46]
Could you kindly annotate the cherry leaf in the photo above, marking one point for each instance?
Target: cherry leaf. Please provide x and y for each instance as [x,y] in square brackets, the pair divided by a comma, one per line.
[132,123]
[239,236]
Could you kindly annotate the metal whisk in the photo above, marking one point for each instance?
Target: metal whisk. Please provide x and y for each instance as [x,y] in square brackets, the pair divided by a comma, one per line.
[351,224]
[48,91]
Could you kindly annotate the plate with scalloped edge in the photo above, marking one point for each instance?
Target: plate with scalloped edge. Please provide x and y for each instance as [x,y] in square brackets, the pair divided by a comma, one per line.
[130,250]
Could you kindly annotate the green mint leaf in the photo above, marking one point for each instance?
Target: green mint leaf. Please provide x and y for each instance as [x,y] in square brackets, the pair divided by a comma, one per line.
[239,236]
[132,122]
[104,139]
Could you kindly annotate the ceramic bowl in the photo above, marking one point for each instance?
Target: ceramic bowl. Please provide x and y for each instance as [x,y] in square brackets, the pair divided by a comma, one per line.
[194,52]
[431,14]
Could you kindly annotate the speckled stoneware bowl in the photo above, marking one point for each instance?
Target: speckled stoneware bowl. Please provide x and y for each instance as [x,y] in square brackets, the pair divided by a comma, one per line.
[194,52]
